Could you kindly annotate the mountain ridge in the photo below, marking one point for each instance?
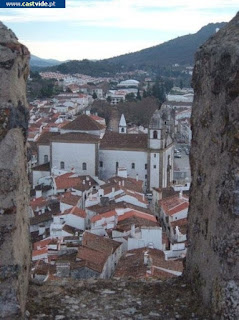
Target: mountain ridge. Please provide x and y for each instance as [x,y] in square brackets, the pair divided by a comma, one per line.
[186,46]
[180,51]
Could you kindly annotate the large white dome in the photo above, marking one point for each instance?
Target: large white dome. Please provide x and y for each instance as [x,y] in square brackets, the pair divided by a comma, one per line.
[128,83]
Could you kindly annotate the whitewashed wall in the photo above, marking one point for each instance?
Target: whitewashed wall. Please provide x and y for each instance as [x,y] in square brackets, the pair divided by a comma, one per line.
[151,235]
[154,172]
[73,155]
[124,159]
[43,150]
[75,221]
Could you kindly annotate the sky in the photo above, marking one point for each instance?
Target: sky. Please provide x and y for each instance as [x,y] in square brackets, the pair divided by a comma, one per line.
[97,29]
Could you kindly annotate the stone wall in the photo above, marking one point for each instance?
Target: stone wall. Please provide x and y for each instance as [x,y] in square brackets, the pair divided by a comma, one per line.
[14,188]
[212,262]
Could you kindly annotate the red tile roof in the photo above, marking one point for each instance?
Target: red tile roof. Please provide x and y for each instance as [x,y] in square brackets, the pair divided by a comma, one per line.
[102,244]
[39,252]
[70,229]
[76,137]
[46,137]
[132,264]
[108,214]
[139,197]
[76,211]
[66,181]
[125,225]
[70,198]
[114,141]
[94,117]
[38,203]
[129,183]
[92,258]
[41,244]
[174,204]
[134,213]
[84,123]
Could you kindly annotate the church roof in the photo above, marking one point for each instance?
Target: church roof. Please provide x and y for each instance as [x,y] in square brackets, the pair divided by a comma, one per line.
[76,137]
[122,122]
[115,140]
[83,122]
[46,137]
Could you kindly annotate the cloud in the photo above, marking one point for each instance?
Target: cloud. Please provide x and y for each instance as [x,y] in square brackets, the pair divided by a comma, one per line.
[171,17]
[84,49]
[126,13]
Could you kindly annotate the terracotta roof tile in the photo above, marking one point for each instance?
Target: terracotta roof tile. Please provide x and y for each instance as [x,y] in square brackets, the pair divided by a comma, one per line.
[75,137]
[41,244]
[76,211]
[94,117]
[99,243]
[129,183]
[174,204]
[92,258]
[41,218]
[38,203]
[70,229]
[84,123]
[108,214]
[46,137]
[70,198]
[132,264]
[67,180]
[125,225]
[114,140]
[39,252]
[134,213]
[113,205]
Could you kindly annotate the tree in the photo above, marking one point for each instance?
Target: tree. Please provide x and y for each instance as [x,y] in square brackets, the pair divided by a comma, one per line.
[109,99]
[168,84]
[94,96]
[138,97]
[130,97]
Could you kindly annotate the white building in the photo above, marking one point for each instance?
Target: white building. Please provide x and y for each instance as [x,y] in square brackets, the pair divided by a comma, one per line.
[84,145]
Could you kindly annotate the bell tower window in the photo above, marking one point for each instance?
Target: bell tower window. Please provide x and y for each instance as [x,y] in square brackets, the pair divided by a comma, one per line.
[155,134]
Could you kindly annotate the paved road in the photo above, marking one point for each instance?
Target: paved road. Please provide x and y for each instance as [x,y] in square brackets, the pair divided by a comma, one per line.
[183,163]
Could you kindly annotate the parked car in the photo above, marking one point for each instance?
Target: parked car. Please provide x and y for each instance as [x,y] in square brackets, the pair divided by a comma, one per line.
[178,155]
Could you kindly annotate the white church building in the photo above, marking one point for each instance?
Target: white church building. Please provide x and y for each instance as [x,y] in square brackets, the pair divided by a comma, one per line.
[87,147]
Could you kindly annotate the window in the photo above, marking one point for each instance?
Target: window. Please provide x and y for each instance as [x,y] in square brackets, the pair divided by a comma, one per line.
[122,129]
[146,176]
[155,134]
[155,166]
[117,165]
[133,165]
[155,155]
[84,166]
[62,165]
[146,166]
[45,158]
[101,164]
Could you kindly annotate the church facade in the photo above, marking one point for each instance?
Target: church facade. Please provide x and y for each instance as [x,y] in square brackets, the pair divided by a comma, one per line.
[87,148]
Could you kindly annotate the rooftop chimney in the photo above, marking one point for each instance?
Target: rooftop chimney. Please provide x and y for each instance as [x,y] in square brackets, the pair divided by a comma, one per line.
[146,258]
